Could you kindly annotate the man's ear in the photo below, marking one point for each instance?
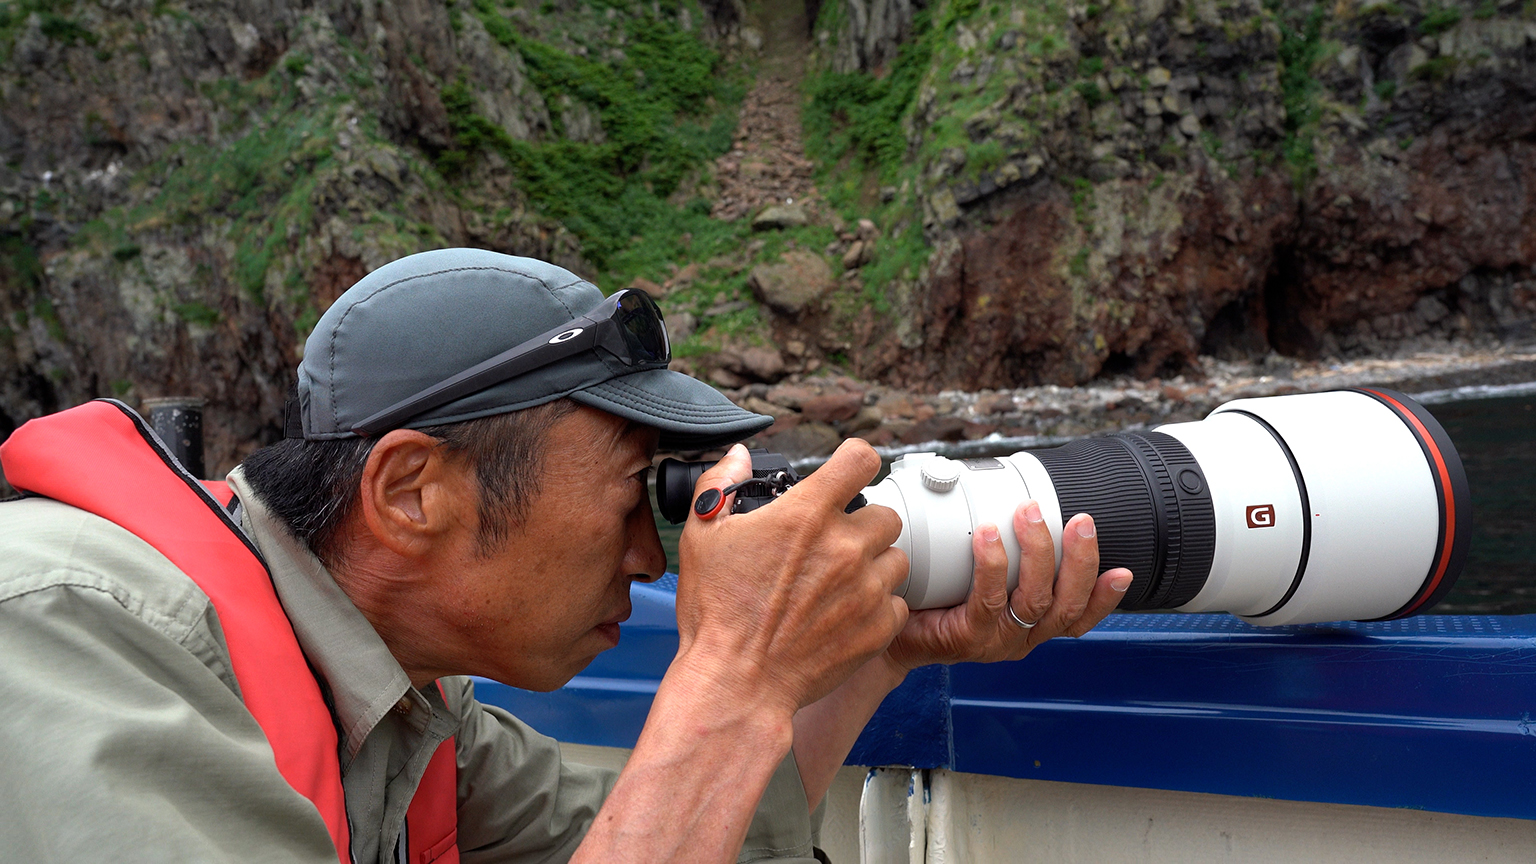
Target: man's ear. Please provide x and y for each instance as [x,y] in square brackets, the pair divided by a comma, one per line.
[411,492]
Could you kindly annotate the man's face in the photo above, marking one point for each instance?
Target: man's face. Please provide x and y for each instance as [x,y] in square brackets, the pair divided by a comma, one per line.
[537,610]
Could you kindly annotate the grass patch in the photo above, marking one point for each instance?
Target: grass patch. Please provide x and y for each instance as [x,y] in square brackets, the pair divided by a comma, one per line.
[262,181]
[53,19]
[21,276]
[258,184]
[1438,69]
[42,309]
[1091,94]
[1210,144]
[957,11]
[854,131]
[196,313]
[666,110]
[900,257]
[1082,200]
[1438,19]
[19,264]
[1300,47]
[858,117]
[1079,263]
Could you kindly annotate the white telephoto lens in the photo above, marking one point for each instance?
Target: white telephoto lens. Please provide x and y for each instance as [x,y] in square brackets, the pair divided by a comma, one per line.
[1282,510]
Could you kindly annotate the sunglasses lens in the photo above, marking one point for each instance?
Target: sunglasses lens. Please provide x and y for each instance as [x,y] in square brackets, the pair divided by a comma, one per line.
[639,319]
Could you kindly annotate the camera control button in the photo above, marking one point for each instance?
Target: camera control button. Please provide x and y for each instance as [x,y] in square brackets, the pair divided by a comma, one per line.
[1191,482]
[940,474]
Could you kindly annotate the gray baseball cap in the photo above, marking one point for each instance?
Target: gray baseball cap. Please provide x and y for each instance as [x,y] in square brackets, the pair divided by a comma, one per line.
[421,319]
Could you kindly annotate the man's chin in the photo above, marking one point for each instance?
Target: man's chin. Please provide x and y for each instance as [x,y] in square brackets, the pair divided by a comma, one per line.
[556,676]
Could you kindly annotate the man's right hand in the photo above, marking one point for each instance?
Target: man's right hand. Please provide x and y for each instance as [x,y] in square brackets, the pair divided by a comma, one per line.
[775,609]
[788,600]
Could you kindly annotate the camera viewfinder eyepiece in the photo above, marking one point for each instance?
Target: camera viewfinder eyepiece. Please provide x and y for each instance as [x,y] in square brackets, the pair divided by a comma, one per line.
[676,479]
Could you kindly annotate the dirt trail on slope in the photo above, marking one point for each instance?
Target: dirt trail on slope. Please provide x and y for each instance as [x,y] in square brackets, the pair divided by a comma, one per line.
[767,163]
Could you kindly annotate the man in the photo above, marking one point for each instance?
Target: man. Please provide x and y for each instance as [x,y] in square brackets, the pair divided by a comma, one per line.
[463,492]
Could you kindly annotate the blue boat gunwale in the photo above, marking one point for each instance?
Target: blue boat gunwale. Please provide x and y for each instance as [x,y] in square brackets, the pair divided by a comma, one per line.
[1432,712]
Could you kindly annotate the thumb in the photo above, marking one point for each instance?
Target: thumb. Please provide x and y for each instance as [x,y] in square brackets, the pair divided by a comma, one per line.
[734,467]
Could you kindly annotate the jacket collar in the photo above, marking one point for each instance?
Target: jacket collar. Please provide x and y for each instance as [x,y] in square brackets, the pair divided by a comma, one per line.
[364,678]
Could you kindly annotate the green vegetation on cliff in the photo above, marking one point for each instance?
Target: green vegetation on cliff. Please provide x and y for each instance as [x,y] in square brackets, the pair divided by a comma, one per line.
[21,275]
[856,131]
[1301,45]
[853,117]
[260,186]
[53,20]
[196,174]
[666,109]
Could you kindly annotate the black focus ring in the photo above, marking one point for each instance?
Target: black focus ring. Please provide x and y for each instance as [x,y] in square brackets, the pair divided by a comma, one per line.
[1099,476]
[1166,514]
[1151,507]
[1197,522]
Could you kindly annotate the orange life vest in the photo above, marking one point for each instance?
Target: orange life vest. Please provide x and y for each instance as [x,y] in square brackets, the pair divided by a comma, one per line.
[101,457]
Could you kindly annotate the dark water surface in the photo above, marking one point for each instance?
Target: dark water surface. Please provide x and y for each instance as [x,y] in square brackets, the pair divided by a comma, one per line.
[1497,441]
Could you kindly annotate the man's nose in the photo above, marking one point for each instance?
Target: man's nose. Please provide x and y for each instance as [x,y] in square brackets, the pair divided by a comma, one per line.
[644,558]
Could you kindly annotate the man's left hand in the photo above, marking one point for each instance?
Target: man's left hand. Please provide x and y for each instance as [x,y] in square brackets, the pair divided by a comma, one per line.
[1064,602]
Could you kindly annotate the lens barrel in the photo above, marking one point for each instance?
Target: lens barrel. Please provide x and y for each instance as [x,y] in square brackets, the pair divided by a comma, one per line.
[1331,506]
[1453,497]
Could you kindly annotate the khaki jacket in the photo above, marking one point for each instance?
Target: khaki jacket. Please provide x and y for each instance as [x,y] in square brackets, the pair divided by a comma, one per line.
[123,737]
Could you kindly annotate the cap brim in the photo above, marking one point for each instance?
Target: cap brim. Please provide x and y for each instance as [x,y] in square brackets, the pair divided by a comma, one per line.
[690,414]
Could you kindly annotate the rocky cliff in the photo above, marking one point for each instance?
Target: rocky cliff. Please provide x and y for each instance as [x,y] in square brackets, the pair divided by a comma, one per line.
[186,186]
[944,194]
[1121,188]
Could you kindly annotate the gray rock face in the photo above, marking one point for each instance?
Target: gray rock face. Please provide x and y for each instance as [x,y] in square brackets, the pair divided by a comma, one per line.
[874,32]
[581,122]
[183,192]
[780,216]
[1130,191]
[763,363]
[803,439]
[798,279]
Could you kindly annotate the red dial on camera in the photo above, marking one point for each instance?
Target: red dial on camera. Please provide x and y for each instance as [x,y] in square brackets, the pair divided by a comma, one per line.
[709,503]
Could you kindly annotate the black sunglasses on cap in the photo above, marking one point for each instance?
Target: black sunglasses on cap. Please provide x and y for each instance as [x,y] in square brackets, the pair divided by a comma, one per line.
[627,325]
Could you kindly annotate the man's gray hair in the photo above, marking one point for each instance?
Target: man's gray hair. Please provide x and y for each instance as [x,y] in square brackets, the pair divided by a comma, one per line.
[312,487]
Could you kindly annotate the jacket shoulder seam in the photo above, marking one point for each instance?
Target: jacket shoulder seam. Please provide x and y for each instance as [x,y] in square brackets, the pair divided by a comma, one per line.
[169,622]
